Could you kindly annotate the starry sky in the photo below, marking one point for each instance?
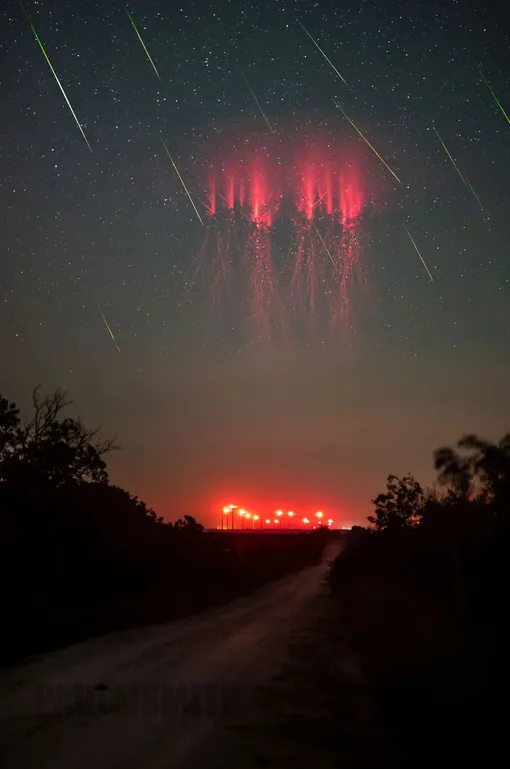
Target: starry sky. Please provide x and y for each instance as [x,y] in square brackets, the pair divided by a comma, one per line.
[207,408]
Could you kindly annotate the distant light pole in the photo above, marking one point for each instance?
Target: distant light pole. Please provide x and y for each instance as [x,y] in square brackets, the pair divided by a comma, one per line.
[256,518]
[226,511]
[290,514]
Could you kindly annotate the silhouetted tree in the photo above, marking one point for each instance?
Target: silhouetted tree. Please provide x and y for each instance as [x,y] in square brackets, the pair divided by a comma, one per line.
[49,450]
[478,461]
[455,470]
[400,507]
[490,462]
[188,524]
[9,428]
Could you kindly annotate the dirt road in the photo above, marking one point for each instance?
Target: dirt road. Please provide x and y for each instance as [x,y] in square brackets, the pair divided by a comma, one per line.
[154,697]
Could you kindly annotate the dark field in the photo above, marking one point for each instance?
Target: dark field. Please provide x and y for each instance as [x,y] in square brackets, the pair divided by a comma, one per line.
[408,664]
[87,586]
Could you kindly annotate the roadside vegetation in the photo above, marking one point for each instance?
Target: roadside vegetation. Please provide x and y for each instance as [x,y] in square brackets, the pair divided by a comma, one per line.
[408,664]
[81,557]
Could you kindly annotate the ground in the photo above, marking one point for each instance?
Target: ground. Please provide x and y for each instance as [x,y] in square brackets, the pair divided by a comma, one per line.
[166,696]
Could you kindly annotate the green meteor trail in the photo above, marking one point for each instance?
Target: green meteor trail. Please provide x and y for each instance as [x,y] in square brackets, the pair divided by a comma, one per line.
[143,44]
[56,78]
[465,180]
[491,89]
[417,251]
[449,155]
[258,105]
[316,44]
[470,187]
[182,182]
[110,332]
[366,140]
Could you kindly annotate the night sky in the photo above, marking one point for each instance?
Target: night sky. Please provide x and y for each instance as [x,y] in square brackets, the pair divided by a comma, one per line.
[210,406]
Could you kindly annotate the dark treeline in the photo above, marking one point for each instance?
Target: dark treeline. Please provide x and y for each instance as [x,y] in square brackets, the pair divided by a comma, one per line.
[81,557]
[411,665]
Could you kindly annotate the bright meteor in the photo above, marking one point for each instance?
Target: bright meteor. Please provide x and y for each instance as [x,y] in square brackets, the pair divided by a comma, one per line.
[366,140]
[110,332]
[182,182]
[56,78]
[143,44]
[316,44]
[491,89]
[417,251]
[258,105]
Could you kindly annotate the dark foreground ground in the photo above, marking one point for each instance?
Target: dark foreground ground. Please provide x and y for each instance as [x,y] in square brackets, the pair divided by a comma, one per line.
[395,657]
[55,594]
[165,696]
[407,666]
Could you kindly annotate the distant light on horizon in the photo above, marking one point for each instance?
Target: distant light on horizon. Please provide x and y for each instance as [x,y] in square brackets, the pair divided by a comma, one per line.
[280,516]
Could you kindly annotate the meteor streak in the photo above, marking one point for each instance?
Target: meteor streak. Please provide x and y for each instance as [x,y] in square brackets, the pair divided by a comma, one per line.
[470,187]
[417,251]
[326,249]
[143,44]
[316,44]
[493,94]
[258,105]
[366,140]
[449,155]
[465,180]
[56,78]
[110,332]
[182,182]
